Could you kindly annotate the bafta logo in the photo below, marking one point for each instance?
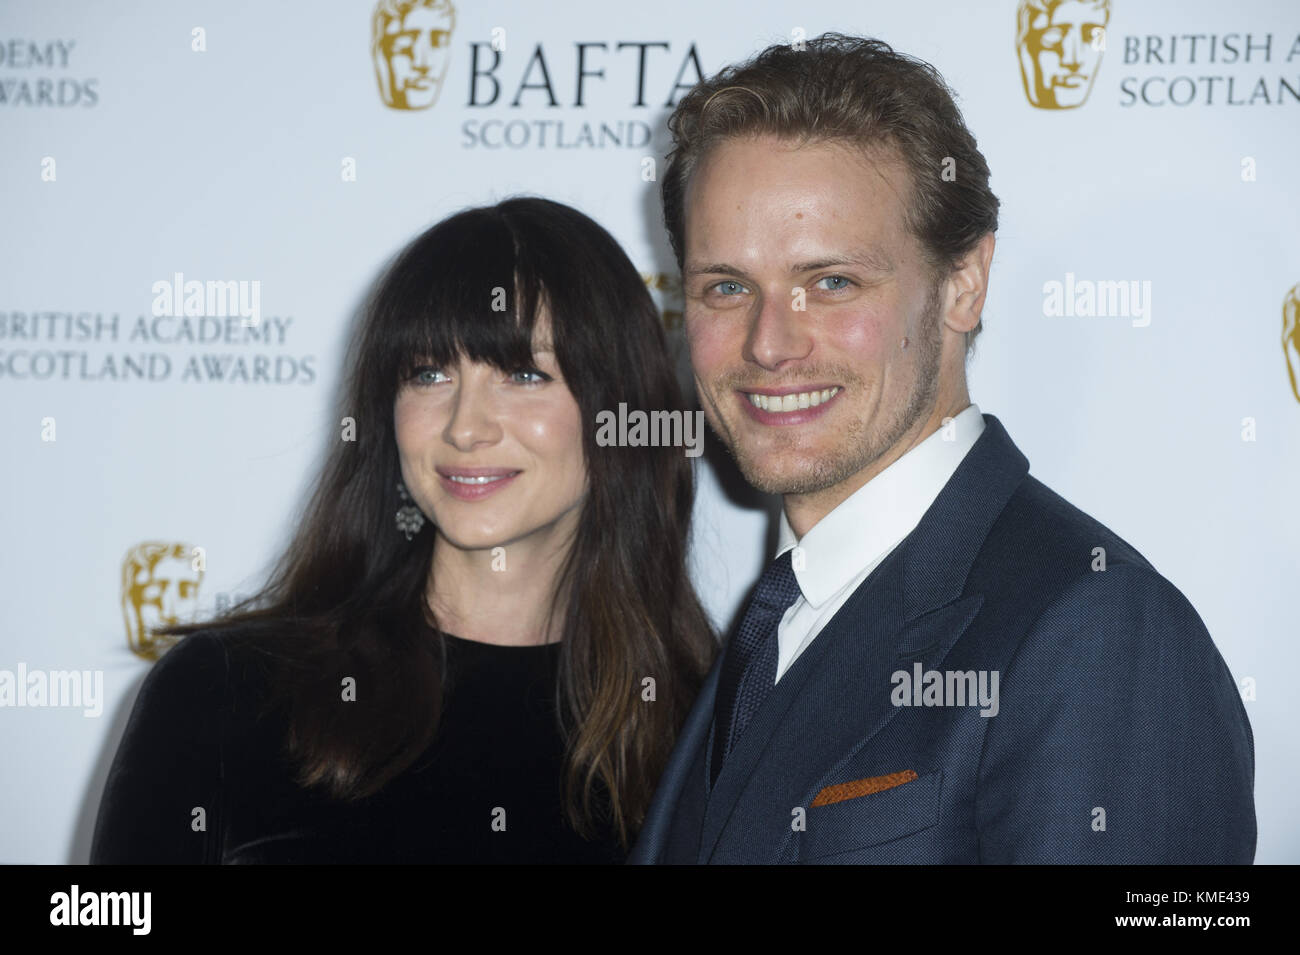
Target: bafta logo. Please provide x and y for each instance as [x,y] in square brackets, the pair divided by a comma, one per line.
[160,587]
[410,44]
[1059,44]
[1291,337]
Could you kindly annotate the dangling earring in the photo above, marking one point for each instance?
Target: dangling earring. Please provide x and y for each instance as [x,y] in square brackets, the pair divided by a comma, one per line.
[409,517]
[904,343]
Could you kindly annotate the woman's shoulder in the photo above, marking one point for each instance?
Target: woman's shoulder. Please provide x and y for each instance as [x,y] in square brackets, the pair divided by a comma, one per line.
[199,696]
[170,759]
[196,667]
[205,672]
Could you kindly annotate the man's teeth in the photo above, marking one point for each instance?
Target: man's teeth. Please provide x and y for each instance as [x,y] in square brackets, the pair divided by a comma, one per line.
[803,399]
[487,479]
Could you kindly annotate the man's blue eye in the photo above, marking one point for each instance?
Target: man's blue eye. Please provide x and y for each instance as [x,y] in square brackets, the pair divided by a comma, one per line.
[834,278]
[729,288]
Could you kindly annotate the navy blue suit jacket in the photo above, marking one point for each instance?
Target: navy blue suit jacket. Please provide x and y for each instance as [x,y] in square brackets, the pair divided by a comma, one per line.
[1119,736]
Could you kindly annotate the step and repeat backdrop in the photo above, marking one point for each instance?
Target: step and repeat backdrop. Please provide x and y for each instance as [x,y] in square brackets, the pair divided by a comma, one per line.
[197,196]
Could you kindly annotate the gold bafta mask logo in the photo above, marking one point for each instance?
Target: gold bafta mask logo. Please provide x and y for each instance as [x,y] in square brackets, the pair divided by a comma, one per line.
[1291,337]
[410,45]
[160,587]
[1060,43]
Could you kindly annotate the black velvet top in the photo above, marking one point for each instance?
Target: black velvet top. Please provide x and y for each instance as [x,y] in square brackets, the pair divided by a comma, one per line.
[199,778]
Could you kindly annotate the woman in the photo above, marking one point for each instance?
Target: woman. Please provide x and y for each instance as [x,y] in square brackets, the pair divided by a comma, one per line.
[482,641]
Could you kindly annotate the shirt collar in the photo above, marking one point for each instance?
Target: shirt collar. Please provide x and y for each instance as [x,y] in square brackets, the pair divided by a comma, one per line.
[868,523]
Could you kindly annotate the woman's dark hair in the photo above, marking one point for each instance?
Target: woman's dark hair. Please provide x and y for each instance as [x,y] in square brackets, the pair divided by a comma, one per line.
[348,596]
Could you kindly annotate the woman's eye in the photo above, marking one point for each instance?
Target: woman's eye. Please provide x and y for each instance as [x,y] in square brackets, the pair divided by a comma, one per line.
[529,376]
[839,282]
[729,288]
[426,376]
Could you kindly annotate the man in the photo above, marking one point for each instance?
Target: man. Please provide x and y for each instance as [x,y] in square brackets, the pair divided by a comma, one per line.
[946,662]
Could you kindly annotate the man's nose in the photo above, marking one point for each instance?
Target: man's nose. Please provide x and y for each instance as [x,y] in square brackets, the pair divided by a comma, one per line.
[777,332]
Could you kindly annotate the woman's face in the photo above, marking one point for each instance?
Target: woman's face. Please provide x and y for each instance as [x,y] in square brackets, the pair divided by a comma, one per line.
[494,458]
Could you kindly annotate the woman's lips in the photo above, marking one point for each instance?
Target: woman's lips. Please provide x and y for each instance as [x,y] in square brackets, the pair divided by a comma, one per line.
[473,484]
[768,405]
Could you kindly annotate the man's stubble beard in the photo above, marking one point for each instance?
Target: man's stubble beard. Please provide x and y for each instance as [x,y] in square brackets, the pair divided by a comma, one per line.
[859,445]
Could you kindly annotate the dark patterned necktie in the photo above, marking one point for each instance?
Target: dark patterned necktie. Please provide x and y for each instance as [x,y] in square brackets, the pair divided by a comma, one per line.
[749,670]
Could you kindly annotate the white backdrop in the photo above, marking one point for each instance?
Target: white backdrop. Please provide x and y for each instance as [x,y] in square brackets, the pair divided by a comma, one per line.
[240,140]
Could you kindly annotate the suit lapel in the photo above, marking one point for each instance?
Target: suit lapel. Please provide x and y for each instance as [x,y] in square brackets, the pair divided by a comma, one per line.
[836,696]
[842,706]
[833,700]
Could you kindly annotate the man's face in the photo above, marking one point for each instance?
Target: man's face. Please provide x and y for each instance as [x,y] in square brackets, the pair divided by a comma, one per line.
[1061,55]
[765,217]
[415,52]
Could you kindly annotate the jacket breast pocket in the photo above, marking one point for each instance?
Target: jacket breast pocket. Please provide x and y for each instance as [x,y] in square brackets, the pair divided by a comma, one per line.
[865,821]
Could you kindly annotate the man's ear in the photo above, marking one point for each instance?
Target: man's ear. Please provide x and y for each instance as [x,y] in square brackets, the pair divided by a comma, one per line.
[967,285]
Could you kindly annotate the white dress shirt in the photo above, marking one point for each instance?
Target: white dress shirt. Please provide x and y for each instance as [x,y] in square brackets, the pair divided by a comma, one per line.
[850,542]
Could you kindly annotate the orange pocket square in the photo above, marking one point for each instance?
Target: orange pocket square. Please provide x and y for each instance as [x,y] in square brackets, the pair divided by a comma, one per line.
[862,787]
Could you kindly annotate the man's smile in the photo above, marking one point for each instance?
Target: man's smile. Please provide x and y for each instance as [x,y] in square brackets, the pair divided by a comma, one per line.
[790,405]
